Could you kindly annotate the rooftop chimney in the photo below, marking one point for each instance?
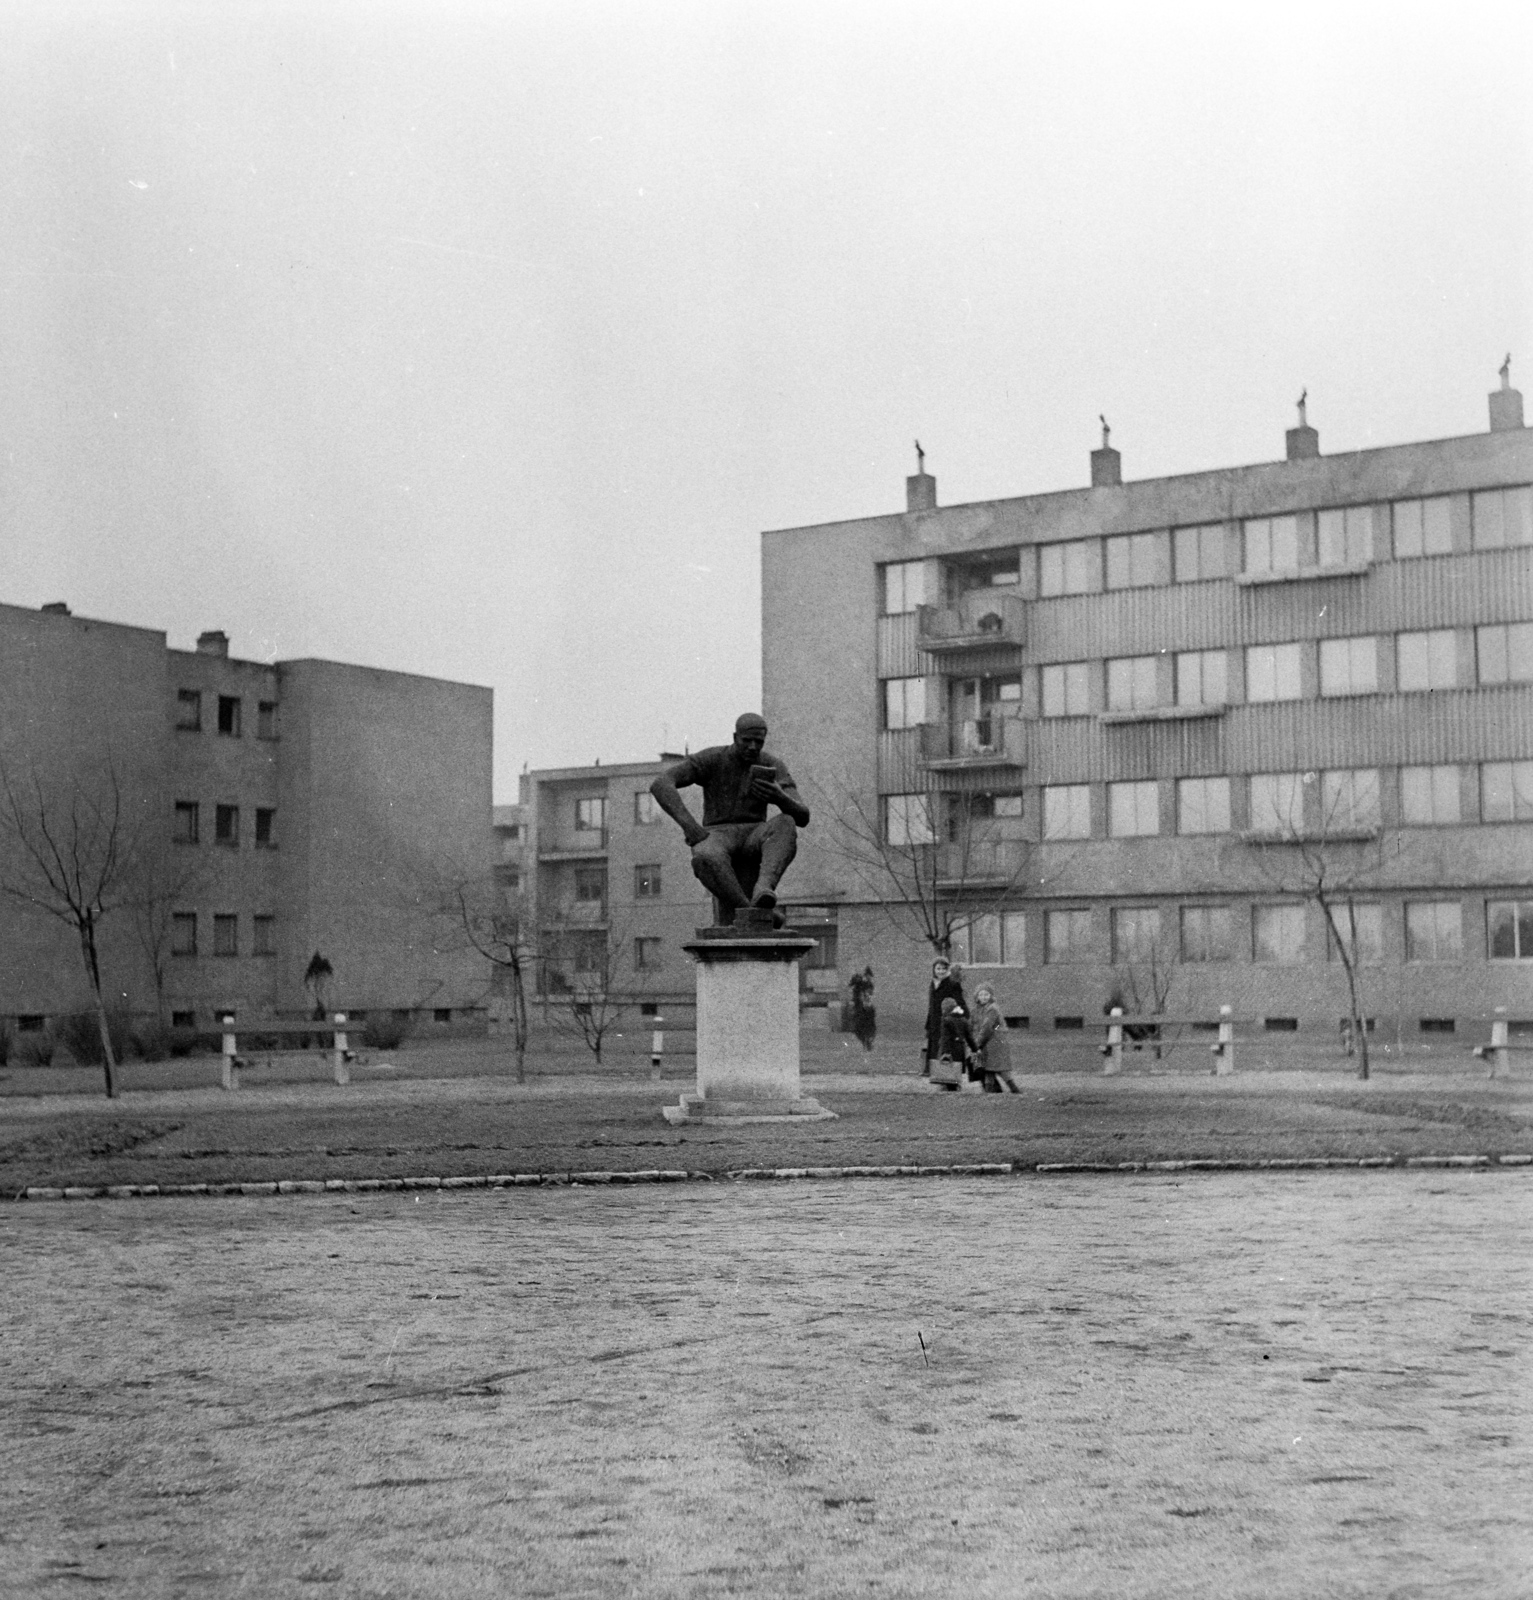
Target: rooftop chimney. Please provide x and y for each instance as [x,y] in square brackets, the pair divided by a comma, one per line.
[1505,402]
[1106,463]
[1303,442]
[921,490]
[57,608]
[215,642]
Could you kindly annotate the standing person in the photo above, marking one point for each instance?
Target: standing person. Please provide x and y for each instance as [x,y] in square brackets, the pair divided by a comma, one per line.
[945,985]
[992,1045]
[864,1016]
[957,1045]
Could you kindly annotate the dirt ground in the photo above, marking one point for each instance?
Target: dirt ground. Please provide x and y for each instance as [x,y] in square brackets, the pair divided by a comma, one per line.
[1298,1384]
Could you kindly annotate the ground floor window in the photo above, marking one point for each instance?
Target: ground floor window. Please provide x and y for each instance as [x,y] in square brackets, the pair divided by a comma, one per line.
[1510,929]
[1434,930]
[991,939]
[1277,934]
[1207,933]
[1067,936]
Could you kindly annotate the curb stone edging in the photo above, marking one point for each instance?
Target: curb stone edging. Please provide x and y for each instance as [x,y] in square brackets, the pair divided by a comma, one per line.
[565,1180]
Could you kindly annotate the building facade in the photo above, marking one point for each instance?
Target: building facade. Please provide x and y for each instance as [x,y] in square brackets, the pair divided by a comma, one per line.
[1132,738]
[607,882]
[275,811]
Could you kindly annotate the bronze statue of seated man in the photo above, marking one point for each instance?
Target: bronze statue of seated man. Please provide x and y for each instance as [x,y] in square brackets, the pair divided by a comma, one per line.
[739,854]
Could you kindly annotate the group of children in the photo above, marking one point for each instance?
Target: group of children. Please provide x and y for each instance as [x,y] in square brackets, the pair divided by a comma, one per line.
[973,1050]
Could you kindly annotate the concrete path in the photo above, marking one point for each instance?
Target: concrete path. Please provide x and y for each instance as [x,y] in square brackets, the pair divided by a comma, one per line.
[1230,1385]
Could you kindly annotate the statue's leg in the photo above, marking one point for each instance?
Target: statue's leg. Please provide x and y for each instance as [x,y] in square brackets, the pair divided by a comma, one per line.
[712,868]
[777,840]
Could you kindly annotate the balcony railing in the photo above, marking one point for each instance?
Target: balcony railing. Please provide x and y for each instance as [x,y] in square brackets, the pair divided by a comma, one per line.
[981,863]
[973,743]
[568,843]
[981,620]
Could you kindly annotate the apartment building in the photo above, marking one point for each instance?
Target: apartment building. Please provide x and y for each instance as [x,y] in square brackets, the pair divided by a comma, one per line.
[1129,728]
[608,882]
[277,810]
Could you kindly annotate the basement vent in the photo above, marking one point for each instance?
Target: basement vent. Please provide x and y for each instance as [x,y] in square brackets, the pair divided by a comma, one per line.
[1280,1024]
[1063,1023]
[1021,1024]
[1437,1025]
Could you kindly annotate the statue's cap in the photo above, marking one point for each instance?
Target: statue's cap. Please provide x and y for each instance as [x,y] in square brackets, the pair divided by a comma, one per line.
[748,720]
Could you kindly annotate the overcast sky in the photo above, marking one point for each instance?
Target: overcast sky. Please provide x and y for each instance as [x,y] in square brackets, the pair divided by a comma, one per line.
[483,341]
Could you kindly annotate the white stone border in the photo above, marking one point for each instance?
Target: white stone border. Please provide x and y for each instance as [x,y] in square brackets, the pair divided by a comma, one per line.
[564,1180]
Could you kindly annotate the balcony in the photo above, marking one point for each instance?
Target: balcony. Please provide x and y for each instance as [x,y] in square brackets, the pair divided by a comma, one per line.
[983,619]
[981,864]
[573,844]
[972,745]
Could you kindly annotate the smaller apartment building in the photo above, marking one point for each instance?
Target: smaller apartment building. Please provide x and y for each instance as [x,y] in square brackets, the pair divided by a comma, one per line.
[1122,724]
[607,882]
[276,809]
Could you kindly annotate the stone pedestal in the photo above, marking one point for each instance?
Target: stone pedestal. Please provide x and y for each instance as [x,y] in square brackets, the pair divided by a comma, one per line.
[747,1028]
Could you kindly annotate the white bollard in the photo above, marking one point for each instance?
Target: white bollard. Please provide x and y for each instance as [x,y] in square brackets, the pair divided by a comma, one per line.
[656,1047]
[1113,1049]
[338,1057]
[1500,1056]
[1224,1051]
[228,1052]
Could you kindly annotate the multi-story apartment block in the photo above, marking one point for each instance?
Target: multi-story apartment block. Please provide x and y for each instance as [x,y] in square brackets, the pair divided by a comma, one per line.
[1128,726]
[276,811]
[608,882]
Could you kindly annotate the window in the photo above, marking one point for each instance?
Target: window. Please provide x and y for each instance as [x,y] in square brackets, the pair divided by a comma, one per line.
[1429,794]
[646,881]
[1510,924]
[1434,930]
[1504,651]
[183,1019]
[908,820]
[1006,805]
[1277,802]
[1272,672]
[904,702]
[266,719]
[1133,809]
[1277,934]
[1422,528]
[1272,545]
[1199,552]
[904,587]
[183,933]
[1201,678]
[591,886]
[1072,568]
[1135,934]
[1501,518]
[1362,928]
[1066,936]
[263,936]
[1427,660]
[591,814]
[186,829]
[265,828]
[226,825]
[1066,690]
[1346,537]
[1203,805]
[226,940]
[229,715]
[1349,800]
[189,710]
[1131,684]
[589,953]
[1207,933]
[1506,791]
[1067,811]
[1133,561]
[646,808]
[992,939]
[646,955]
[1349,666]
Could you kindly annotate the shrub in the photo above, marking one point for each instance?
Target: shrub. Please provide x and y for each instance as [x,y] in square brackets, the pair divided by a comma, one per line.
[5,1043]
[181,1041]
[33,1049]
[150,1041]
[80,1034]
[384,1032]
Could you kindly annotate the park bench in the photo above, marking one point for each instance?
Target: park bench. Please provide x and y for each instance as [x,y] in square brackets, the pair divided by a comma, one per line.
[336,1030]
[1502,1046]
[1134,1032]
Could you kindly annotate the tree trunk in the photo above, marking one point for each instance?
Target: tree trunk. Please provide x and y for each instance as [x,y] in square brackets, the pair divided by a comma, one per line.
[93,970]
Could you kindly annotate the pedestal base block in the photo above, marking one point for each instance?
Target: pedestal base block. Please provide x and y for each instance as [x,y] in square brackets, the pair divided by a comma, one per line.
[747,1029]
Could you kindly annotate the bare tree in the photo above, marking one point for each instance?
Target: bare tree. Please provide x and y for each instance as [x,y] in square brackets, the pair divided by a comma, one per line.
[482,919]
[581,995]
[73,855]
[1325,845]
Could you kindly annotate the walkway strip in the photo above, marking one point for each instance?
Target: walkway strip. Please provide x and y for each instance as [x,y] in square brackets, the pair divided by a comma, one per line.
[565,1180]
